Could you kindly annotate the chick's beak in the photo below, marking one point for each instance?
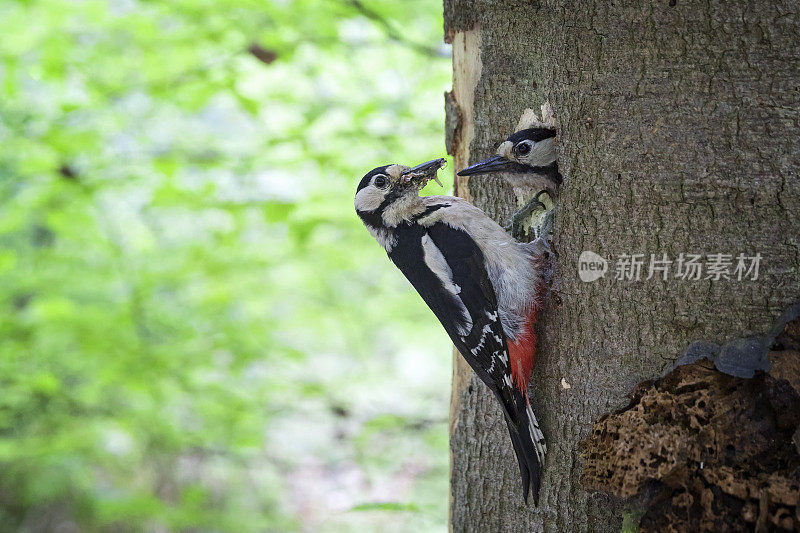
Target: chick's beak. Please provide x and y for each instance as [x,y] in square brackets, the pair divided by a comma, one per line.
[492,164]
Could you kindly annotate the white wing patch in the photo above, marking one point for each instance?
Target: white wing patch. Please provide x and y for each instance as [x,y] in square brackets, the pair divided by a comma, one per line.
[435,261]
[438,265]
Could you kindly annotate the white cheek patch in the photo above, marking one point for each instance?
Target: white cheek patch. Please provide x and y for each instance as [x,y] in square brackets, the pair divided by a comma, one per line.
[435,261]
[542,154]
[369,198]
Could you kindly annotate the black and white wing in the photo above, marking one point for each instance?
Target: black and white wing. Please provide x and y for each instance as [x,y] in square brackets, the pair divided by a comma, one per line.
[448,270]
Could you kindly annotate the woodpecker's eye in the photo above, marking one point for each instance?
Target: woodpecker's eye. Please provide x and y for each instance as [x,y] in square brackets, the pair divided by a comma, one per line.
[380,181]
[523,148]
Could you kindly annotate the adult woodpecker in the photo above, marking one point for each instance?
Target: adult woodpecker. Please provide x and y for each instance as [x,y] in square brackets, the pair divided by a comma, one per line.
[526,160]
[485,288]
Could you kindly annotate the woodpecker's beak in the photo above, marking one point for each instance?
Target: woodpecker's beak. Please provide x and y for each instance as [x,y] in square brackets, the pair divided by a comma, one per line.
[493,164]
[424,172]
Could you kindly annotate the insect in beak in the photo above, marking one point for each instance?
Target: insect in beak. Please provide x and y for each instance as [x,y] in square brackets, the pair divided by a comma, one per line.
[424,172]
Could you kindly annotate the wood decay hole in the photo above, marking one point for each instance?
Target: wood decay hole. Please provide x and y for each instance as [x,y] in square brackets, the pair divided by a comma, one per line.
[716,451]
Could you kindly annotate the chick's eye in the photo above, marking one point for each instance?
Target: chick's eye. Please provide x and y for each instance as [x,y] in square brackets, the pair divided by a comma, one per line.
[523,148]
[380,181]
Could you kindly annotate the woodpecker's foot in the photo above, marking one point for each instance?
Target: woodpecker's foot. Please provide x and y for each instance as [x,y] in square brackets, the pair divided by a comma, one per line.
[546,229]
[519,218]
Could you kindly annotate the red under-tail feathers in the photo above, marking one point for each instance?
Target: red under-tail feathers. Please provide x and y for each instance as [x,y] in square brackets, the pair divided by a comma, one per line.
[522,350]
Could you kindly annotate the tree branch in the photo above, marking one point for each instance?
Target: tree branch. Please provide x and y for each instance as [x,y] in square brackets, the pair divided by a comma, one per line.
[391,32]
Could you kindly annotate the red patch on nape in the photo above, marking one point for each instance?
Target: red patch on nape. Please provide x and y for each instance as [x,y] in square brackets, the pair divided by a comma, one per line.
[521,352]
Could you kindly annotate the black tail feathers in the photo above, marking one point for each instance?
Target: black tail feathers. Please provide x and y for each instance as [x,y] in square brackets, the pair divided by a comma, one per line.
[527,438]
[529,466]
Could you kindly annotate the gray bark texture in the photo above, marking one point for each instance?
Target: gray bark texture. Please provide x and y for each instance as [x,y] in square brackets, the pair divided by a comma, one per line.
[678,132]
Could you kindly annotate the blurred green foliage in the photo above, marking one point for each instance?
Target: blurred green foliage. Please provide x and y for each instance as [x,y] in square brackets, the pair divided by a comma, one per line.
[196,332]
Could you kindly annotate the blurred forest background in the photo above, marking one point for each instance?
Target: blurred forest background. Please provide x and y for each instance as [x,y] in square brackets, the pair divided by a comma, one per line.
[196,331]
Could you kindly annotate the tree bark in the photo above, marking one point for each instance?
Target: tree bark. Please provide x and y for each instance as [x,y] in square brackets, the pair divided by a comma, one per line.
[678,132]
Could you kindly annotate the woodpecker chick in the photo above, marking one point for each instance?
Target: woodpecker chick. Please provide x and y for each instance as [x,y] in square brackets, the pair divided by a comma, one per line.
[526,160]
[485,288]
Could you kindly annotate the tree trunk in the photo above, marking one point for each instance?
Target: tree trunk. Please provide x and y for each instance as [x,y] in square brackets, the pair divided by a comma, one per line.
[678,132]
